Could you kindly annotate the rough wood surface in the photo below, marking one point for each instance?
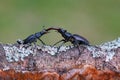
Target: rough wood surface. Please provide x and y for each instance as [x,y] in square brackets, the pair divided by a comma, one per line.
[100,62]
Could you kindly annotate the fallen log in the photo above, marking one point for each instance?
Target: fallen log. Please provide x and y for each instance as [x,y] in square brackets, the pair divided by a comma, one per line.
[24,62]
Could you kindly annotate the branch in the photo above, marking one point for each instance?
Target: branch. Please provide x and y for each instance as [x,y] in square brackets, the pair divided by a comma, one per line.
[99,61]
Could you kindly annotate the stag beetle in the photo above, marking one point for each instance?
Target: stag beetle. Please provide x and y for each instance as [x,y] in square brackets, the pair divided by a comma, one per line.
[75,39]
[33,38]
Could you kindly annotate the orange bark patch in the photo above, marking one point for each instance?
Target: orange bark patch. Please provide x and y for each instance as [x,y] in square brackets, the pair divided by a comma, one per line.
[84,73]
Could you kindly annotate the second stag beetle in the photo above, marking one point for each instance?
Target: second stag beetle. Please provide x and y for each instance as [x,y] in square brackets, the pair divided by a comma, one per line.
[33,38]
[75,39]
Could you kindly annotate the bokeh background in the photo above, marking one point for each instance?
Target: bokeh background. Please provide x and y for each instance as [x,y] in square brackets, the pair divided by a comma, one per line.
[96,20]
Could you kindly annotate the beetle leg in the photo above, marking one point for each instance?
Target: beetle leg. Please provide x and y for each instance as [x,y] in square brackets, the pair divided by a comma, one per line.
[35,44]
[41,41]
[61,45]
[58,42]
[77,46]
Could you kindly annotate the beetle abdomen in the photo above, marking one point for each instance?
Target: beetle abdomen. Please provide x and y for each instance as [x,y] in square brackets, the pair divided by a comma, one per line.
[80,39]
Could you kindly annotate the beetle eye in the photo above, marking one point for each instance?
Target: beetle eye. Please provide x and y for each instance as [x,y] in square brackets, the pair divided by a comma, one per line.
[62,30]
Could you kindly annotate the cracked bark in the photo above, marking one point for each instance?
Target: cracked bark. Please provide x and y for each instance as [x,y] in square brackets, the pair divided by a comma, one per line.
[90,65]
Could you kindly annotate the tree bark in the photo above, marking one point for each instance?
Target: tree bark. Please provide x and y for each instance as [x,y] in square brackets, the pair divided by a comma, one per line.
[95,62]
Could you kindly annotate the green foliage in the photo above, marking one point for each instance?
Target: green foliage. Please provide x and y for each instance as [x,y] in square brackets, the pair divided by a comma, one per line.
[97,20]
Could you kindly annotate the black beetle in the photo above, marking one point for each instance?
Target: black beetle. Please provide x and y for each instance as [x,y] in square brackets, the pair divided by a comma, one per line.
[33,38]
[75,39]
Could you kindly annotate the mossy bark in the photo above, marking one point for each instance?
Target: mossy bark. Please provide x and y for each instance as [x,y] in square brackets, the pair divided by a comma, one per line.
[93,60]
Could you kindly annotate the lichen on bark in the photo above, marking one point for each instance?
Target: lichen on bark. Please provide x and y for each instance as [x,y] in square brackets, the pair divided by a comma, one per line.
[101,59]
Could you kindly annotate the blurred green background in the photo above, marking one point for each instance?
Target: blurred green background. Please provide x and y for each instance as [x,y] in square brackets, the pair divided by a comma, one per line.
[96,20]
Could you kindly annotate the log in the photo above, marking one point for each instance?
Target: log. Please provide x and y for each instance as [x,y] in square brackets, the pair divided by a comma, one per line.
[42,62]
